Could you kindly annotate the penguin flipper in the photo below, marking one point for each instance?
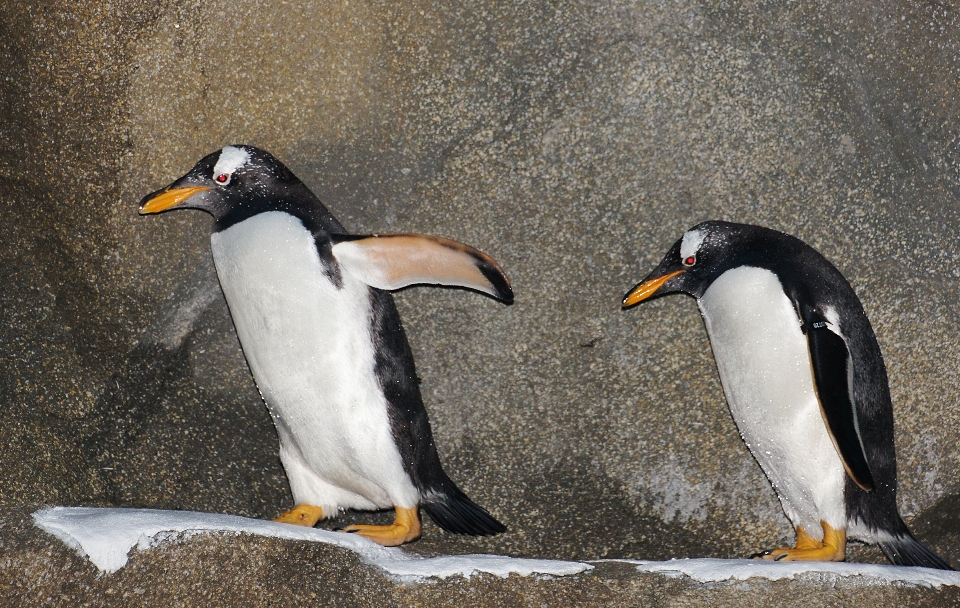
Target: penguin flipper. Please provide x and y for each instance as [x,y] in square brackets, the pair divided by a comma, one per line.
[831,367]
[456,513]
[394,261]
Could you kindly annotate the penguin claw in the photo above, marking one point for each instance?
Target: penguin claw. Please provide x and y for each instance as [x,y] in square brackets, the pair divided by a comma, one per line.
[761,554]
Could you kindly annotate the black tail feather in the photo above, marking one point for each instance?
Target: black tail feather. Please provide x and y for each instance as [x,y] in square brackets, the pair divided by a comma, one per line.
[456,513]
[905,550]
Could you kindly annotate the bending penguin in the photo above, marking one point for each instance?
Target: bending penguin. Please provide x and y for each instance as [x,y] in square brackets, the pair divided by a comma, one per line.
[324,341]
[803,376]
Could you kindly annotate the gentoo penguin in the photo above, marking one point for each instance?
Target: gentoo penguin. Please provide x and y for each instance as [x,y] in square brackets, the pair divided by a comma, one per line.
[803,376]
[324,341]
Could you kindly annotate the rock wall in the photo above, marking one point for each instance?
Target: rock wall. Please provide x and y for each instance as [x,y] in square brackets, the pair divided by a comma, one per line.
[574,142]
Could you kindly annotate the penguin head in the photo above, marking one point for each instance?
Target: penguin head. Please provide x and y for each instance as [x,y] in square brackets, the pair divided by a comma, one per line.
[701,255]
[235,181]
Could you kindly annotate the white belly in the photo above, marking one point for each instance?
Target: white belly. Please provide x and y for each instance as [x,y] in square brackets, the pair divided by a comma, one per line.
[309,349]
[765,369]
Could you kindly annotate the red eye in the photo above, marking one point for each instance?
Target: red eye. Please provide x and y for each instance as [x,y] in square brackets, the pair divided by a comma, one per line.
[690,261]
[222,178]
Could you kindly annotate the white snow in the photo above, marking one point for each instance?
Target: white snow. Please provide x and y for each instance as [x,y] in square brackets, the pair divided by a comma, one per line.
[721,570]
[106,537]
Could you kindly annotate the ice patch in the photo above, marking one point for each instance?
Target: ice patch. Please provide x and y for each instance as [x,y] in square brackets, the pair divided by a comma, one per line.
[185,306]
[106,537]
[675,497]
[725,570]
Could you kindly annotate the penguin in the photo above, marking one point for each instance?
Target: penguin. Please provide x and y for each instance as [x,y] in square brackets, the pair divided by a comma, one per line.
[324,342]
[803,376]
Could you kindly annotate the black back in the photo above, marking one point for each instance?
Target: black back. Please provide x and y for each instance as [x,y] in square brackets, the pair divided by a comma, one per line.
[397,375]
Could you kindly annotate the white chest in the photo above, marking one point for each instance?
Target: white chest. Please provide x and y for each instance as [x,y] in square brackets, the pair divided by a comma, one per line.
[309,348]
[764,365]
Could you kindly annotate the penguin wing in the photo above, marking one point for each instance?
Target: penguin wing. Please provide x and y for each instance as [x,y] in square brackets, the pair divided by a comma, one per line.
[831,373]
[393,261]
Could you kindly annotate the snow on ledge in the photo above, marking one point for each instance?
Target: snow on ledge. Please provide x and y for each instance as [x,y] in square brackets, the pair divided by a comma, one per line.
[106,537]
[725,570]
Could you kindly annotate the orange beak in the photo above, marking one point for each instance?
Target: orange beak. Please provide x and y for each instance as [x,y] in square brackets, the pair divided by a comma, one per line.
[168,198]
[646,289]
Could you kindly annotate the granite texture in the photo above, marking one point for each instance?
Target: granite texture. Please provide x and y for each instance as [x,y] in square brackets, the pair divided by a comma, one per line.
[574,142]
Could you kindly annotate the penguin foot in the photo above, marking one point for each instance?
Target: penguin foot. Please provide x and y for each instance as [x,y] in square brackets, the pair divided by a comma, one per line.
[301,515]
[832,548]
[405,528]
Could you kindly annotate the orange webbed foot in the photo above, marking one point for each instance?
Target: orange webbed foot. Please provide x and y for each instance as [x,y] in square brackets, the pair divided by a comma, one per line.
[301,515]
[404,529]
[832,548]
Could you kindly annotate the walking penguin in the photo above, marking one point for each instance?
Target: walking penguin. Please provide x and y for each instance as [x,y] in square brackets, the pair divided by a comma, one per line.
[324,341]
[803,376]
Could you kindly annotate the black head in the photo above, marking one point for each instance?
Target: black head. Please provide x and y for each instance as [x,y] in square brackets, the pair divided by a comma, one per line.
[704,253]
[237,182]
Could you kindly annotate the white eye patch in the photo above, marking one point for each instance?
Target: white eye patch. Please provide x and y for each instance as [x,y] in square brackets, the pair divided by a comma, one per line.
[231,159]
[691,243]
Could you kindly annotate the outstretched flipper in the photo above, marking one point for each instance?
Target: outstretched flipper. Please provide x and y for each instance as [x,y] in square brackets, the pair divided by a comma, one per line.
[394,261]
[831,373]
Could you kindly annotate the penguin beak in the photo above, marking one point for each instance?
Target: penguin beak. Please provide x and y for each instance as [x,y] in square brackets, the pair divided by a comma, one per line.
[167,198]
[646,289]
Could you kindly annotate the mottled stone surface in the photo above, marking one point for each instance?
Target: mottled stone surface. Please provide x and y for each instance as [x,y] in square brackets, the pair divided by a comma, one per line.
[572,141]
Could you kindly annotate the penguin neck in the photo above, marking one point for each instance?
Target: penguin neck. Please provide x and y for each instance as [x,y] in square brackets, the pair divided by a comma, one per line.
[304,206]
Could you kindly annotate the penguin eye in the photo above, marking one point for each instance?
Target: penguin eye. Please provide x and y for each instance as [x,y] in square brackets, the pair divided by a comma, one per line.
[222,179]
[690,260]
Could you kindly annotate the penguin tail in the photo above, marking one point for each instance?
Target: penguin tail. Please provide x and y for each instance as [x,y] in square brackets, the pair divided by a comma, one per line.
[454,512]
[905,550]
